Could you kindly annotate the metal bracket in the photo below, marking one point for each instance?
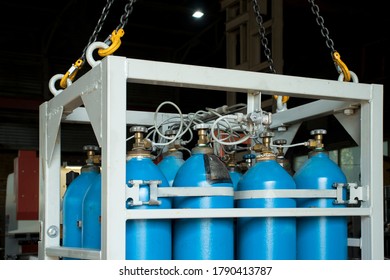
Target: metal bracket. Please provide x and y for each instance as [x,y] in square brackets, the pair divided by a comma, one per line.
[133,192]
[155,192]
[355,193]
[284,193]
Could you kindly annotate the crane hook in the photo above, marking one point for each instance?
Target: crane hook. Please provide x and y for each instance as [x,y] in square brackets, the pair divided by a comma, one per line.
[341,66]
[71,73]
[115,39]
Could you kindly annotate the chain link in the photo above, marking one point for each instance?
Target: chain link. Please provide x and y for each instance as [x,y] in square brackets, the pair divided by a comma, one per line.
[123,21]
[263,38]
[98,27]
[320,21]
[124,18]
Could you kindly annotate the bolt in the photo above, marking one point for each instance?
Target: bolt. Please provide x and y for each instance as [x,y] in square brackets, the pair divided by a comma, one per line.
[52,231]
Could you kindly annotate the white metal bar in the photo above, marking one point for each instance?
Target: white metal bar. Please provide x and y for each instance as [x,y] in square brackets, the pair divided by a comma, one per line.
[253,101]
[113,158]
[79,115]
[181,75]
[49,185]
[307,111]
[372,174]
[295,193]
[354,242]
[68,252]
[243,212]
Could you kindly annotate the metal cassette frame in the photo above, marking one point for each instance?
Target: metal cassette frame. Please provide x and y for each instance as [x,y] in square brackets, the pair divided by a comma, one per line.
[102,91]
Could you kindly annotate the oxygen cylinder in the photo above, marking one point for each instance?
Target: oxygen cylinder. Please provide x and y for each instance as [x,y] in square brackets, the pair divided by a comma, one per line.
[172,160]
[268,238]
[320,238]
[148,239]
[280,157]
[91,230]
[205,238]
[73,200]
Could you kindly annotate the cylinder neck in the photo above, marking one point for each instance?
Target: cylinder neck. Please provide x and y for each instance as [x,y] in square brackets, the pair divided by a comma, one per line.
[203,139]
[264,150]
[202,150]
[173,147]
[90,157]
[174,153]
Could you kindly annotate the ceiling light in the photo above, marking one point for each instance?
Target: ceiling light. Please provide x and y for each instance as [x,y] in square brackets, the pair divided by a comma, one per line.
[197,14]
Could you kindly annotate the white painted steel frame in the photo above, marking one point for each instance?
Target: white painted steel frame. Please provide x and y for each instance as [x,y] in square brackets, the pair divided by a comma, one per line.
[102,90]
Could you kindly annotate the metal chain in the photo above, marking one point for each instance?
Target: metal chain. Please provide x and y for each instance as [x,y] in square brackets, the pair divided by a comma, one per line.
[263,38]
[123,21]
[98,27]
[124,18]
[320,21]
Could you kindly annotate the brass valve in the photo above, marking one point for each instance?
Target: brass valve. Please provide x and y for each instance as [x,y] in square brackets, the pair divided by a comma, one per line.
[279,143]
[265,150]
[203,139]
[171,133]
[141,145]
[317,143]
[91,151]
[203,146]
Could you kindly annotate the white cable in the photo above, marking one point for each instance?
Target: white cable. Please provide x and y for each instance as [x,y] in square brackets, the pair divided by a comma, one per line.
[156,126]
[226,143]
[237,105]
[190,124]
[291,145]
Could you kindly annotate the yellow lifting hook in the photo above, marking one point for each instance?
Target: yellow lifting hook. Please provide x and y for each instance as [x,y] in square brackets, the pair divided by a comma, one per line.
[71,73]
[115,43]
[341,66]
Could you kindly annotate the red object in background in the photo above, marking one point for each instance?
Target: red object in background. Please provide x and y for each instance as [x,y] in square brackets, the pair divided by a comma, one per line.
[26,172]
[30,247]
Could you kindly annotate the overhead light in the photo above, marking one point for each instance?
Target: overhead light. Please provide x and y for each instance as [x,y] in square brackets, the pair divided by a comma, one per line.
[197,14]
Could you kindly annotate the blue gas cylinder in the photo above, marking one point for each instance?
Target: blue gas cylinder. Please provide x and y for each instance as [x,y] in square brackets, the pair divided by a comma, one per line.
[204,238]
[73,201]
[91,230]
[320,238]
[170,164]
[235,176]
[234,171]
[145,239]
[149,239]
[268,238]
